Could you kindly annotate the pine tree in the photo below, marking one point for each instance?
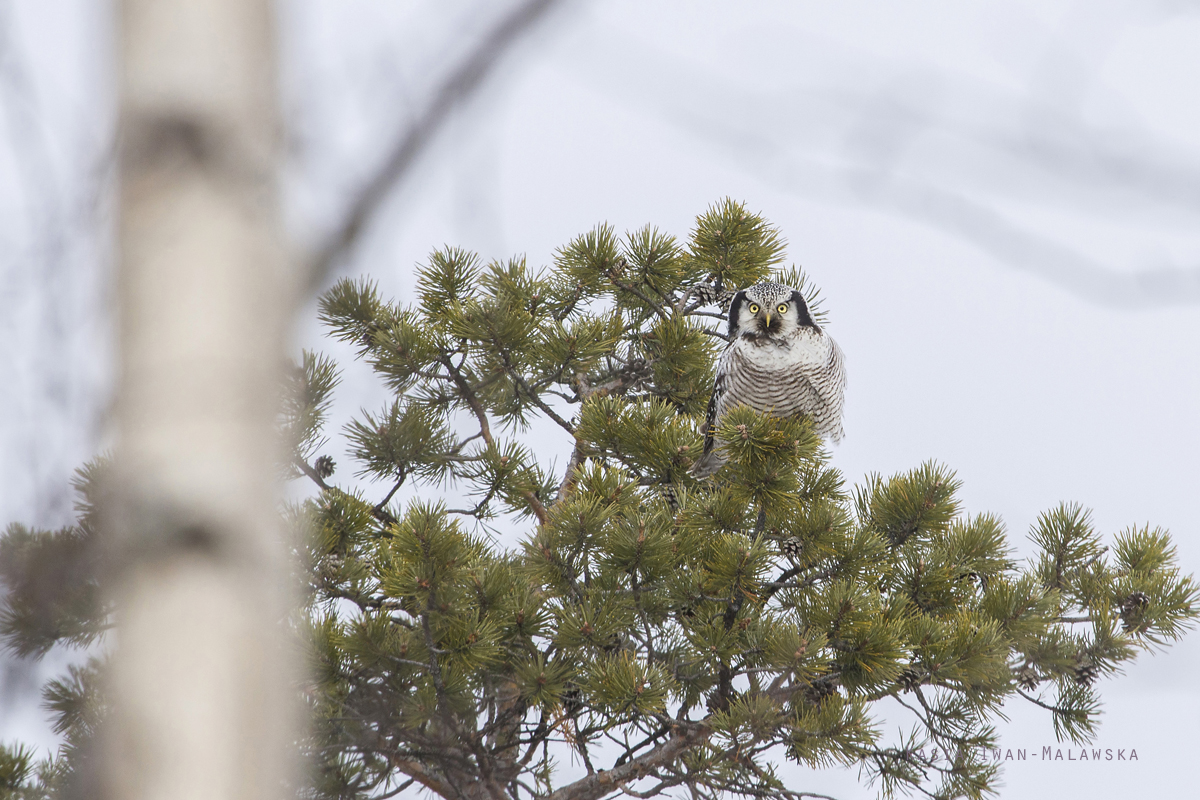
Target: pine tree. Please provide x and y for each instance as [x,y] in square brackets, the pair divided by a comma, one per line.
[664,634]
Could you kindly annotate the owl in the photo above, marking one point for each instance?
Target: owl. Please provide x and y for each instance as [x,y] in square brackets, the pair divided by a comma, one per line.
[778,361]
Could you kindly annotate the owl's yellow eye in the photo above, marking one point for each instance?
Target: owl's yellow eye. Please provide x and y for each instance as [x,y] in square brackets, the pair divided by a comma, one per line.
[782,308]
[754,308]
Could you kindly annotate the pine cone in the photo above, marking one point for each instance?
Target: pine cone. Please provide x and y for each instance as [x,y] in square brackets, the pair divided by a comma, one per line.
[572,700]
[1086,672]
[910,679]
[1132,608]
[718,701]
[324,466]
[819,689]
[1027,677]
[707,294]
[791,547]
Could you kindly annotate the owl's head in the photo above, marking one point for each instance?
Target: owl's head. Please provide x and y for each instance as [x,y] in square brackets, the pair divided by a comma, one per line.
[768,309]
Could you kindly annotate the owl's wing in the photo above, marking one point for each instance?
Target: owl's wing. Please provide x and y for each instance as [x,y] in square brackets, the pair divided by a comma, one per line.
[830,385]
[711,460]
[710,421]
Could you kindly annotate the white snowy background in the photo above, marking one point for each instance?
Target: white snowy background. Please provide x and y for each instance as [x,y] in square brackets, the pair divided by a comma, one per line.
[999,200]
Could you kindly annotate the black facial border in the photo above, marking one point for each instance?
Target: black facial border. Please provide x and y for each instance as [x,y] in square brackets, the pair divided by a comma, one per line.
[735,308]
[802,310]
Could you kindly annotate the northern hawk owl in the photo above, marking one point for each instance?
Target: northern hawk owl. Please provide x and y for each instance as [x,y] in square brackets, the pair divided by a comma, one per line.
[778,361]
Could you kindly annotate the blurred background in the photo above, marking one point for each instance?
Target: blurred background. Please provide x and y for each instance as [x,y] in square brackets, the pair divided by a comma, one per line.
[999,200]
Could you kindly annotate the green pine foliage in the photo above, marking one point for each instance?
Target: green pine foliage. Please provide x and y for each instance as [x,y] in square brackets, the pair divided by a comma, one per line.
[24,777]
[652,632]
[50,594]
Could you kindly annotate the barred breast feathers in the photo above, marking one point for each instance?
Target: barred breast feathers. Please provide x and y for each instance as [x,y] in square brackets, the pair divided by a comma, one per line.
[778,361]
[805,375]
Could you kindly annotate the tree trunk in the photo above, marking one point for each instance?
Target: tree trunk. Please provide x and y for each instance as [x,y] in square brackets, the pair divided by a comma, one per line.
[200,682]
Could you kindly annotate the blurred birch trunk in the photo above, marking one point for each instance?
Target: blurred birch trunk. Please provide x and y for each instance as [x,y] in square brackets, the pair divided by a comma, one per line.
[199,679]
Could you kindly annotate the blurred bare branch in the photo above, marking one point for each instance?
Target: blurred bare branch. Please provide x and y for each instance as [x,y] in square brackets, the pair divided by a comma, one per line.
[961,155]
[49,280]
[458,87]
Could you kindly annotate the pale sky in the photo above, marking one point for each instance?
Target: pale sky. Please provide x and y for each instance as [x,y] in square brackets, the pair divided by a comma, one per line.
[999,200]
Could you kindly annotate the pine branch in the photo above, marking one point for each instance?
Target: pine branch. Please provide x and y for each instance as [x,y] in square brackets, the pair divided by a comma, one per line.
[568,475]
[383,503]
[1039,703]
[629,287]
[378,512]
[399,789]
[532,395]
[604,783]
[653,738]
[418,772]
[485,430]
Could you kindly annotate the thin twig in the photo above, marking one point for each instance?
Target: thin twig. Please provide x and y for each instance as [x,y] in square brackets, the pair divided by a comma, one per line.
[629,287]
[379,513]
[383,503]
[1037,702]
[485,430]
[397,790]
[531,394]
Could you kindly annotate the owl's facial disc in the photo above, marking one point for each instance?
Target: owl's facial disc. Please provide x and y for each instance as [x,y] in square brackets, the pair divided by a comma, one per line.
[770,320]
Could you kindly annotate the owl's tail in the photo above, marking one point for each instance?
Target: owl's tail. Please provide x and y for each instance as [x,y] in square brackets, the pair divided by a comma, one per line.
[708,463]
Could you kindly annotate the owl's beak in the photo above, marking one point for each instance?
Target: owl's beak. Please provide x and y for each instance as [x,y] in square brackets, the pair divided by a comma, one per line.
[768,317]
